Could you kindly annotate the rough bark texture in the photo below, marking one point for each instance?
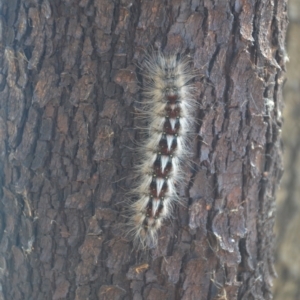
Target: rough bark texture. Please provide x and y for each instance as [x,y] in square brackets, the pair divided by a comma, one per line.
[287,286]
[67,89]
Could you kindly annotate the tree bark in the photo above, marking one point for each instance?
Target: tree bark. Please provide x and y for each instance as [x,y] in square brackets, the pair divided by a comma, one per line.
[68,87]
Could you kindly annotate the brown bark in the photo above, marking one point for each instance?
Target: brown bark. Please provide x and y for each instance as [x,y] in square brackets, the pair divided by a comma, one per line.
[68,84]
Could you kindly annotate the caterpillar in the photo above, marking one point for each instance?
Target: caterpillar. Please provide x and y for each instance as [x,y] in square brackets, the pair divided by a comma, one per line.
[168,106]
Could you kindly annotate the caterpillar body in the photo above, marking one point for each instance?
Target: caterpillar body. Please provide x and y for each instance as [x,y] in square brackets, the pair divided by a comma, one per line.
[168,107]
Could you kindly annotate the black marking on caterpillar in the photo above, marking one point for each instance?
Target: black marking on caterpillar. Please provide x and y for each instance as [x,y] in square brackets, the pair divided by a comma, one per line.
[169,108]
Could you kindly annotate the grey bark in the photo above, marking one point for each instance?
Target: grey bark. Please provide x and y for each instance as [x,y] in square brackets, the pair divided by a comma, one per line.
[68,86]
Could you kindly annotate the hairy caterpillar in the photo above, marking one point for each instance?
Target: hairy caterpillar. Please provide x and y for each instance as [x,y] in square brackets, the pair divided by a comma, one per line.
[168,107]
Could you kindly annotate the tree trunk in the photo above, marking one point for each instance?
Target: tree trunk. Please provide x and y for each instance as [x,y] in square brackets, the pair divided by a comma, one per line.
[69,83]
